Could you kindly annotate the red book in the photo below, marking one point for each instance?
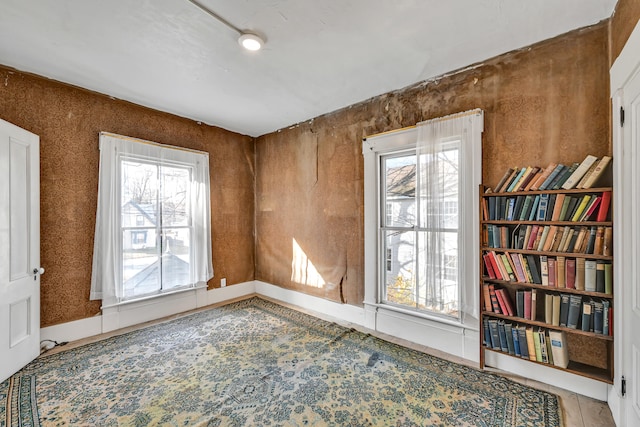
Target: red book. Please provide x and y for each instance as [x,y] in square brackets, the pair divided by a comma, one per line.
[551,262]
[494,264]
[611,321]
[503,306]
[570,273]
[494,299]
[591,209]
[604,206]
[527,305]
[487,263]
[532,236]
[506,300]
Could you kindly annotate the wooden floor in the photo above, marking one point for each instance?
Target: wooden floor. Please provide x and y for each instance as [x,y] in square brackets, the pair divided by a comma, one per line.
[579,410]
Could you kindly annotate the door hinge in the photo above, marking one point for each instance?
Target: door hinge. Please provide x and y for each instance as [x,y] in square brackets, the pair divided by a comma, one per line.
[623,386]
[621,116]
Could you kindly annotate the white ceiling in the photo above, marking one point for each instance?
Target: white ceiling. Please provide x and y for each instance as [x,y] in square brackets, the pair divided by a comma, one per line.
[319,55]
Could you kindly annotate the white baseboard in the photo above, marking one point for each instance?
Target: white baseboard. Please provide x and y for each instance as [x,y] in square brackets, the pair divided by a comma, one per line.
[117,317]
[239,290]
[555,377]
[73,331]
[328,309]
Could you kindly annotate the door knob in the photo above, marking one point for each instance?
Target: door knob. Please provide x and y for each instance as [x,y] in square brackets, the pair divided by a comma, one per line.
[37,271]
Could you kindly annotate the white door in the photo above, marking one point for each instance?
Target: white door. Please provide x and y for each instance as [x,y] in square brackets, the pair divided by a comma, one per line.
[631,302]
[19,248]
[625,90]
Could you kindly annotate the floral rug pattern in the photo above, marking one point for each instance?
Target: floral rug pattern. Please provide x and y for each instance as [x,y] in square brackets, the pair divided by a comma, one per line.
[256,363]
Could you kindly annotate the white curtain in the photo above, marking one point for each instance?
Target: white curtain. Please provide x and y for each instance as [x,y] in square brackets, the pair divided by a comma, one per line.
[449,151]
[107,276]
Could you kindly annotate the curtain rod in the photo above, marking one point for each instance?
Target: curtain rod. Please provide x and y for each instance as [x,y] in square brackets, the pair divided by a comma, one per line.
[437,119]
[144,141]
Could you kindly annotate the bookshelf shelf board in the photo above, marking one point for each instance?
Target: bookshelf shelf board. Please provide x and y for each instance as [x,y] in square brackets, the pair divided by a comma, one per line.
[582,369]
[562,223]
[551,254]
[572,191]
[548,326]
[547,288]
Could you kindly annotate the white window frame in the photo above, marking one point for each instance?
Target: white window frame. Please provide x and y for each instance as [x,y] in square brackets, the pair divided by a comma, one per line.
[159,226]
[106,281]
[374,148]
[452,143]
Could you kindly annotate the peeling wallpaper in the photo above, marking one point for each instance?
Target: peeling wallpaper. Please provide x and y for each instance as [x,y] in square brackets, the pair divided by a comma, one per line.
[548,102]
[68,121]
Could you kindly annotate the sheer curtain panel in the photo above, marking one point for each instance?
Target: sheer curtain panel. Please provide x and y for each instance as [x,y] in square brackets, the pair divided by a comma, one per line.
[153,220]
[449,157]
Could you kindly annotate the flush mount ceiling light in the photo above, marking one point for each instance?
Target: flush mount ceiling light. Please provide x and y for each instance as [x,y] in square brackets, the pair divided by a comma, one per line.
[249,41]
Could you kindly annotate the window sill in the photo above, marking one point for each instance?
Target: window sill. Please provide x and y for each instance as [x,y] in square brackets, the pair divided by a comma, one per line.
[148,297]
[426,316]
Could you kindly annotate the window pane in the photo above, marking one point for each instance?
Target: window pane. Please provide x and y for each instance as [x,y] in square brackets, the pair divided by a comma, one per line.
[400,191]
[174,197]
[176,258]
[439,191]
[400,283]
[140,264]
[140,186]
[438,274]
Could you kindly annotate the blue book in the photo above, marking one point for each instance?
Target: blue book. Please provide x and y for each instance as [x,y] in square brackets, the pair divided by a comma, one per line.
[516,180]
[558,177]
[522,338]
[542,207]
[516,341]
[512,203]
[487,332]
[605,317]
[551,177]
[502,337]
[495,335]
[534,208]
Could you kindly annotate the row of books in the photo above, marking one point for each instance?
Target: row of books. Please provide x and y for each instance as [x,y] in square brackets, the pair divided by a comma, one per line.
[577,312]
[537,344]
[548,207]
[555,176]
[556,272]
[560,309]
[594,240]
[498,300]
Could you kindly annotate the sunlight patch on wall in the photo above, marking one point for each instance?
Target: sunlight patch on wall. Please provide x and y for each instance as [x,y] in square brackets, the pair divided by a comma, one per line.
[302,269]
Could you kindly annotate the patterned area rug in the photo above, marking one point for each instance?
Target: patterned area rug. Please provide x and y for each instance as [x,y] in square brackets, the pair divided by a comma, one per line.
[255,363]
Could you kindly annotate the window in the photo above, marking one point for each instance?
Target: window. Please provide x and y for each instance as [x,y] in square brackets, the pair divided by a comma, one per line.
[156,237]
[406,285]
[421,219]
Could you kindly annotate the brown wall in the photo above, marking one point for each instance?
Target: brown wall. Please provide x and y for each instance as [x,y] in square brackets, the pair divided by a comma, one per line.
[68,121]
[549,102]
[622,23]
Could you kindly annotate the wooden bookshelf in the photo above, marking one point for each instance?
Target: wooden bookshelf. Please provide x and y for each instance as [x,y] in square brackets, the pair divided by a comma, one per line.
[590,347]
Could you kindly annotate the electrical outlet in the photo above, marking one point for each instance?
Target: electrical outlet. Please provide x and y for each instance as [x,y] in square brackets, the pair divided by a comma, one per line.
[223,282]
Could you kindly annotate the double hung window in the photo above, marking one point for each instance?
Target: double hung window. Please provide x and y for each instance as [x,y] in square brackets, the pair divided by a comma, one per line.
[421,222]
[153,220]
